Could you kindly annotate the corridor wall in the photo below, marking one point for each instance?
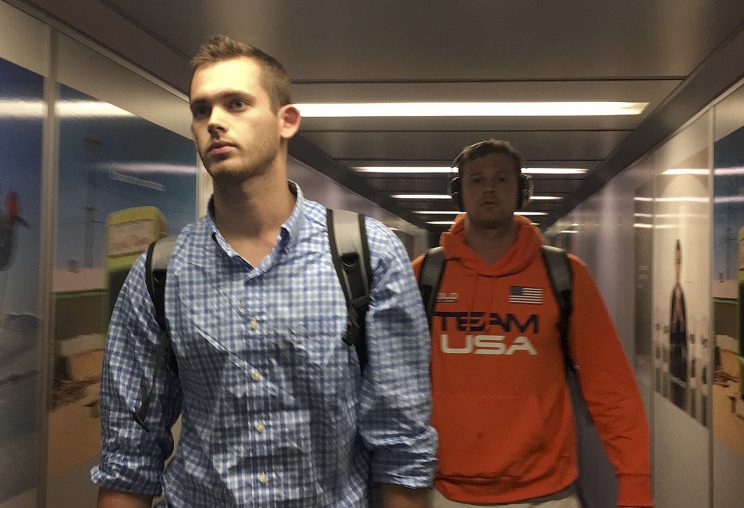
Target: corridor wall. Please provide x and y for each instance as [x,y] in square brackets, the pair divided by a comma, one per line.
[663,240]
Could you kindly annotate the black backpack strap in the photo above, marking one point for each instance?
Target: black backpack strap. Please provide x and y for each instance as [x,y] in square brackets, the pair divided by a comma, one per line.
[430,276]
[561,279]
[347,235]
[156,272]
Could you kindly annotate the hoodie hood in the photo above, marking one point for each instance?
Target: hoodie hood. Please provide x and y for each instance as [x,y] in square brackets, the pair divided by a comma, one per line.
[528,244]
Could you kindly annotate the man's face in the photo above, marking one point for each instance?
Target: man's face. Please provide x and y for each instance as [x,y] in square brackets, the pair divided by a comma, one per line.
[489,190]
[235,129]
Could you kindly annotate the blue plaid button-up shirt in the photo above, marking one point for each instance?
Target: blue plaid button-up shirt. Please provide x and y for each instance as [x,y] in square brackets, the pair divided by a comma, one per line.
[275,409]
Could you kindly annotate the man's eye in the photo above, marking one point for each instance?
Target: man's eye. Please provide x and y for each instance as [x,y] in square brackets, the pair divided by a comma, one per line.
[238,103]
[199,111]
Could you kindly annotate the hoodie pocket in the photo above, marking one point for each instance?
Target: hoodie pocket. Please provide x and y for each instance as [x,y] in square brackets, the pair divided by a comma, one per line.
[486,436]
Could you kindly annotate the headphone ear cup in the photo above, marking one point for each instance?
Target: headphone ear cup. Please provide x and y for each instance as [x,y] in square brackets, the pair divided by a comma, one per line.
[454,189]
[525,190]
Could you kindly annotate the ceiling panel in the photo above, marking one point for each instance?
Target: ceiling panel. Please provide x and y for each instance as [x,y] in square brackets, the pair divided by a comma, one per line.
[677,55]
[352,40]
[446,145]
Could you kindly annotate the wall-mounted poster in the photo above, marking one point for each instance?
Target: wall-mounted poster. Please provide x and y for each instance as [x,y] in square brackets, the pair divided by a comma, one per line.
[21,120]
[123,182]
[680,284]
[728,290]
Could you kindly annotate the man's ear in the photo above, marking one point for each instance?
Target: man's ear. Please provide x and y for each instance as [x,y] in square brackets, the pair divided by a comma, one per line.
[289,121]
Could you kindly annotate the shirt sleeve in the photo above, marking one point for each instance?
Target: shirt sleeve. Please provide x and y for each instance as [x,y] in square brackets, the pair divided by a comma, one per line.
[395,401]
[131,457]
[609,389]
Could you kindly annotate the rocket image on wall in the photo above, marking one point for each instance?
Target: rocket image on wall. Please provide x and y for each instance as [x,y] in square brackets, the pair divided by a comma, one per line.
[10,219]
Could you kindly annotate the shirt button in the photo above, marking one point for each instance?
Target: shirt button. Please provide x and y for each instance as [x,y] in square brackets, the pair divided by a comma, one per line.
[263,478]
[254,324]
[255,375]
[260,427]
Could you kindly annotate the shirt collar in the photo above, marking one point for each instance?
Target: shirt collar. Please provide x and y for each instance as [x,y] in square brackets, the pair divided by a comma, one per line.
[288,233]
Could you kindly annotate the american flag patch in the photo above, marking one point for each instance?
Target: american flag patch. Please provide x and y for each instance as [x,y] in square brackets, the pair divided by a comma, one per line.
[521,294]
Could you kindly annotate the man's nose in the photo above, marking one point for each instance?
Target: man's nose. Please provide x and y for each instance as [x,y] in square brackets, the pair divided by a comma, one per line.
[489,184]
[216,122]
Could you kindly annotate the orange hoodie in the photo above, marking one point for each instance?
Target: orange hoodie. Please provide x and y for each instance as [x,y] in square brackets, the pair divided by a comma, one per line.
[501,403]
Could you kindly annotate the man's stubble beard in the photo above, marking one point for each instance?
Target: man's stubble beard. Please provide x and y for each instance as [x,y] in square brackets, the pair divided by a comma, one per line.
[236,172]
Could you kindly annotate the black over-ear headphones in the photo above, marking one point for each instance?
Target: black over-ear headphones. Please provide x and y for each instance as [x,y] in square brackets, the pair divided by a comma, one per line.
[525,186]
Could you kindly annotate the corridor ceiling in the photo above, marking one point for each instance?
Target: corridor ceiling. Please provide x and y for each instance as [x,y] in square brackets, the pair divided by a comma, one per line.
[675,55]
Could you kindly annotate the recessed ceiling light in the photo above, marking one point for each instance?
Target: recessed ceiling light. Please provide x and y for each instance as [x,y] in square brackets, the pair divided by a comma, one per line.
[469,109]
[422,196]
[403,170]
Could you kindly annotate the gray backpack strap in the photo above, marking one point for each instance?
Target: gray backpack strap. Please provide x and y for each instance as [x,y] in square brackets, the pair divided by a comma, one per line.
[561,279]
[156,272]
[430,276]
[347,236]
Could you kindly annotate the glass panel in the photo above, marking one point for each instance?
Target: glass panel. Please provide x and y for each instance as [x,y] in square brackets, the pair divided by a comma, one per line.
[123,181]
[681,288]
[22,113]
[728,290]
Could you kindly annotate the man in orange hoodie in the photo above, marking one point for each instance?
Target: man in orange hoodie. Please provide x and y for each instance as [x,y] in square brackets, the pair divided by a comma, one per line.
[501,401]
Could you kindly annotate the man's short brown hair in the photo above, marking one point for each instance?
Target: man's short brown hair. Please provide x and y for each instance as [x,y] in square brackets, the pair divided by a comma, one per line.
[273,76]
[489,146]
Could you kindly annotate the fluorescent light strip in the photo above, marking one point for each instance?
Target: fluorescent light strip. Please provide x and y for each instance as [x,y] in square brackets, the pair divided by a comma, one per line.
[82,109]
[686,199]
[447,196]
[469,109]
[569,231]
[148,167]
[733,171]
[422,196]
[642,225]
[405,170]
[441,222]
[682,171]
[529,214]
[402,170]
[690,199]
[437,212]
[554,171]
[729,199]
[546,198]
